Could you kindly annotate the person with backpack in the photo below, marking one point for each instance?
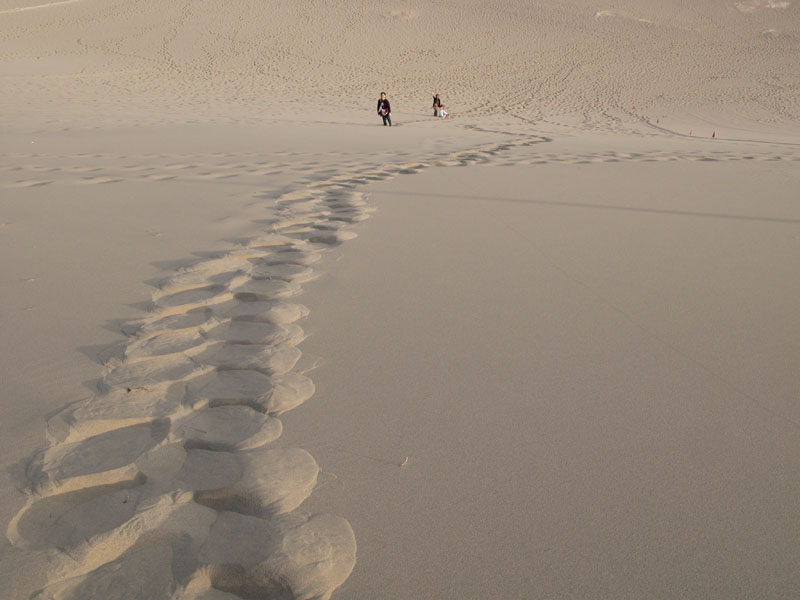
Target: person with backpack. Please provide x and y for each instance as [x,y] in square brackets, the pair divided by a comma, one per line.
[385,110]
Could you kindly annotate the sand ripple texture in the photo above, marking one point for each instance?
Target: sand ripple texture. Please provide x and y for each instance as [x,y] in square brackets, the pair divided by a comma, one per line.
[540,59]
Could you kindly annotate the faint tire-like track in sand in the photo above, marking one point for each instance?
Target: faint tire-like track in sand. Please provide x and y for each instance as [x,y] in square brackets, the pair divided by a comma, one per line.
[38,6]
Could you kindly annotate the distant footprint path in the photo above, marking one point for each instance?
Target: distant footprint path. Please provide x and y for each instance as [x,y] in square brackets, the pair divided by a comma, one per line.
[25,173]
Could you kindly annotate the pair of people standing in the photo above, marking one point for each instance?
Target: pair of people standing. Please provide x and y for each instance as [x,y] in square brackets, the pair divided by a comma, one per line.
[385,109]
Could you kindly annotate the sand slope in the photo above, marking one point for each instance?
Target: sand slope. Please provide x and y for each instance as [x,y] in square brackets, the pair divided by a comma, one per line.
[560,364]
[594,383]
[187,406]
[542,59]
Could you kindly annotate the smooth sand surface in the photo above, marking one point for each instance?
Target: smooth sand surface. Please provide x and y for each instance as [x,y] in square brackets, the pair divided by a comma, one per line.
[255,345]
[595,384]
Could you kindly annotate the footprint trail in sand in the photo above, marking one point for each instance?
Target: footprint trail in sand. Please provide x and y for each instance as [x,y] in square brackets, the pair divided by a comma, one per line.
[176,452]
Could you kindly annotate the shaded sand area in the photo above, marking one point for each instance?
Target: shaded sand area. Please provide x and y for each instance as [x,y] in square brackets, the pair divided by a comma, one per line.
[255,345]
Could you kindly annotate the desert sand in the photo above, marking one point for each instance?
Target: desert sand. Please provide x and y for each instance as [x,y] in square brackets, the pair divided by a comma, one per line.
[255,345]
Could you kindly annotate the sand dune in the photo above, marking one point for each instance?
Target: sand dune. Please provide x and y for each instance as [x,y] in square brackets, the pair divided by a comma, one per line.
[539,60]
[560,363]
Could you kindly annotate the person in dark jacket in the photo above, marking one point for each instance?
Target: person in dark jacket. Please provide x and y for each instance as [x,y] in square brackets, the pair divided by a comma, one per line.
[437,104]
[385,110]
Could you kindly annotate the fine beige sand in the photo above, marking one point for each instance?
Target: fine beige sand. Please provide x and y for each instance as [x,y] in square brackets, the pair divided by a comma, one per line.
[255,345]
